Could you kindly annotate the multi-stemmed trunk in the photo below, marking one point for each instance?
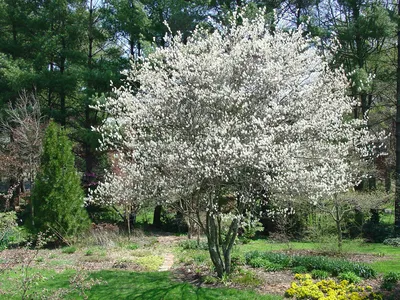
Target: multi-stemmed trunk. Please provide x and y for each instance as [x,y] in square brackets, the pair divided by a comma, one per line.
[220,246]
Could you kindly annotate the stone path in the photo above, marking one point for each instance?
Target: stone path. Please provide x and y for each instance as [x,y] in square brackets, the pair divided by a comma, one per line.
[168,262]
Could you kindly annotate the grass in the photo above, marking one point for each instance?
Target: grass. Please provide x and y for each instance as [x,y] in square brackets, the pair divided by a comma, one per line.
[158,285]
[144,285]
[386,266]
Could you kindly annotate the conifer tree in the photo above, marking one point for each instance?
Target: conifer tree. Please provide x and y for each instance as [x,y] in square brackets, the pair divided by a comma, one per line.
[57,196]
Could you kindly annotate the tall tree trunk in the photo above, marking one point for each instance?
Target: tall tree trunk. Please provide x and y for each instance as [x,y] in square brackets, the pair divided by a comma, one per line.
[89,157]
[63,110]
[397,171]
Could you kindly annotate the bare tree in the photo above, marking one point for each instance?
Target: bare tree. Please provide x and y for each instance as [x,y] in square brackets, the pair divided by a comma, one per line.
[22,129]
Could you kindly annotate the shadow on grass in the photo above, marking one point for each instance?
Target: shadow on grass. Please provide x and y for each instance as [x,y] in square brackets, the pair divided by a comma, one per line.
[129,285]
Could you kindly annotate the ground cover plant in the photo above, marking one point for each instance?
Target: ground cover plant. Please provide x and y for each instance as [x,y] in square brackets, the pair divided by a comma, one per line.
[306,288]
[334,266]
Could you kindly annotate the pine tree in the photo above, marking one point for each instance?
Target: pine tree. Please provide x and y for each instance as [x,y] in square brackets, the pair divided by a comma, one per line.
[57,196]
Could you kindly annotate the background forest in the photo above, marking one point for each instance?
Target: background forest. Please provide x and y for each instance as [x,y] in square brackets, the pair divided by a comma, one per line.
[58,58]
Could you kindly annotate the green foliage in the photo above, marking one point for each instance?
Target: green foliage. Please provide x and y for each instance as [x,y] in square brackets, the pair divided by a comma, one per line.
[377,232]
[104,214]
[263,259]
[250,228]
[300,270]
[8,229]
[193,244]
[132,246]
[350,277]
[273,267]
[332,265]
[237,259]
[200,257]
[68,250]
[150,262]
[319,274]
[390,280]
[57,195]
[246,278]
[257,262]
[210,279]
[392,242]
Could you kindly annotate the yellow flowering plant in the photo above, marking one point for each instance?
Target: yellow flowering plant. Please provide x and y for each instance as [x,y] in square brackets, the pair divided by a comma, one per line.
[305,288]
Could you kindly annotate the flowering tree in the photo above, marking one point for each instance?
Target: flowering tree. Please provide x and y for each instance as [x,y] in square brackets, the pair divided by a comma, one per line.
[121,187]
[213,123]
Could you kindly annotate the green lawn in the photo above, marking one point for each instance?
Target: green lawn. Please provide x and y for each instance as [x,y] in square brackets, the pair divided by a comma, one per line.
[134,285]
[158,285]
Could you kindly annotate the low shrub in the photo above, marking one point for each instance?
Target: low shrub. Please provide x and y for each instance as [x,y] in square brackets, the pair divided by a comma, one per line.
[193,244]
[392,242]
[390,280]
[68,250]
[210,279]
[350,277]
[9,230]
[200,257]
[305,288]
[273,267]
[319,274]
[299,269]
[264,258]
[377,232]
[257,262]
[246,278]
[237,260]
[333,266]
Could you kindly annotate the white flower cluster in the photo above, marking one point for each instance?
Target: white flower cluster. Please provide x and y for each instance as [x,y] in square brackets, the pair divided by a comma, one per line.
[238,109]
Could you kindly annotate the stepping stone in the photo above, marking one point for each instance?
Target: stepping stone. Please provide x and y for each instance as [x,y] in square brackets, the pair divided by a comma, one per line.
[168,262]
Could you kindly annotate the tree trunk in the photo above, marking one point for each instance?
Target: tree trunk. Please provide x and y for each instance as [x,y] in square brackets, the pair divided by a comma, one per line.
[63,109]
[157,216]
[338,220]
[89,156]
[220,247]
[397,171]
[213,245]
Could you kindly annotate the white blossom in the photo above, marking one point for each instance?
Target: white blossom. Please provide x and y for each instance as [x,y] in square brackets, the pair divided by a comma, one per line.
[239,108]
